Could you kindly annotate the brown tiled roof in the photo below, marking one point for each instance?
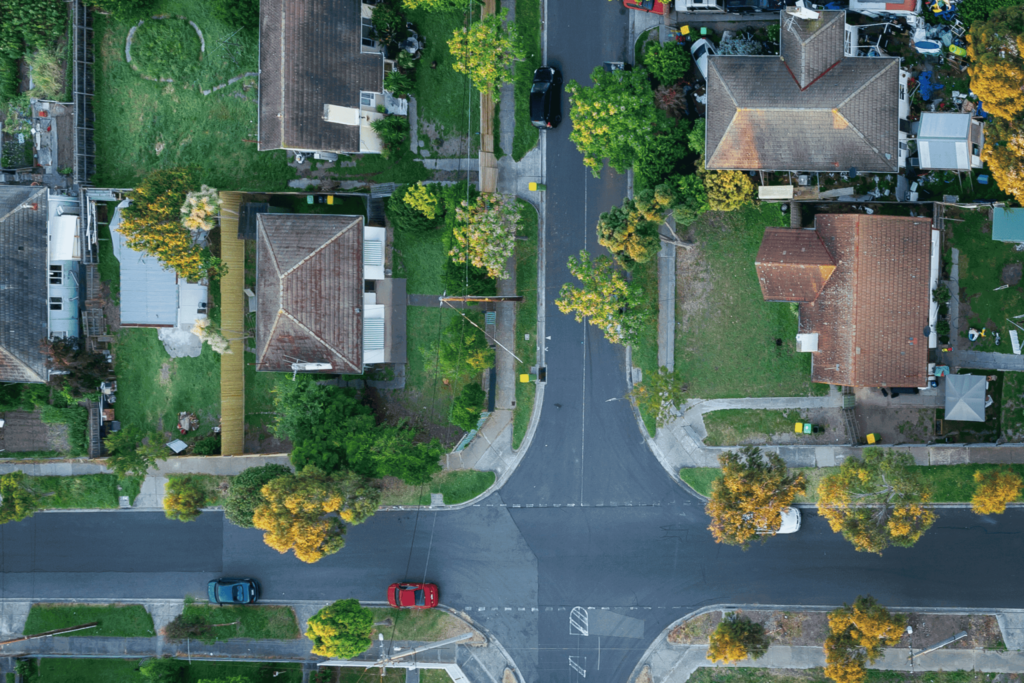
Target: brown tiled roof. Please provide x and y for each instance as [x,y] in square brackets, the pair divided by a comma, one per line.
[871,314]
[792,265]
[309,291]
[310,56]
[759,116]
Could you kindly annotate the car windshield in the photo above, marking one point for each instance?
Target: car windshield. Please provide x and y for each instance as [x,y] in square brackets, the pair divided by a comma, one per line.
[700,52]
[421,598]
[540,87]
[398,597]
[238,592]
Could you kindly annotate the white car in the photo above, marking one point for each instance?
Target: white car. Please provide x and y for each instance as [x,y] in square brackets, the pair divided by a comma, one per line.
[790,521]
[700,51]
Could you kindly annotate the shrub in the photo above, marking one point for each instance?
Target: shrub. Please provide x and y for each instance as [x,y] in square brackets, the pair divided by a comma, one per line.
[166,48]
[208,446]
[47,76]
[469,280]
[125,10]
[10,82]
[388,25]
[245,492]
[424,199]
[398,83]
[341,630]
[668,62]
[941,295]
[184,498]
[464,349]
[244,14]
[30,24]
[405,217]
[737,638]
[393,131]
[467,406]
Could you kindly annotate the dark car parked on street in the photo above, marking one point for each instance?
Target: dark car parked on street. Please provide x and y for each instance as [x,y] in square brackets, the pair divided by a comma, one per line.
[749,6]
[227,591]
[546,97]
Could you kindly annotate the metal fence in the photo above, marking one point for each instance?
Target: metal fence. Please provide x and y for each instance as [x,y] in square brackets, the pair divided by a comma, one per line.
[85,147]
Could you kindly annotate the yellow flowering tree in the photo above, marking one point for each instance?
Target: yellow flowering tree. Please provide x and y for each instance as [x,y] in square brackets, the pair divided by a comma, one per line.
[485,231]
[17,501]
[856,637]
[1004,154]
[736,638]
[995,489]
[200,209]
[876,501]
[611,119]
[305,512]
[606,300]
[341,630]
[486,52]
[728,190]
[750,495]
[996,50]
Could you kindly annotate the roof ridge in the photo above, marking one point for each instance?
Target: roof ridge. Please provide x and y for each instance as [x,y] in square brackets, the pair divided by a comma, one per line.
[320,248]
[21,203]
[849,123]
[313,334]
[868,82]
[20,363]
[270,335]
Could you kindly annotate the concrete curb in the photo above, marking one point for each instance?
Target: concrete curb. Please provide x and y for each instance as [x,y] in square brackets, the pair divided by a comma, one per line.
[662,639]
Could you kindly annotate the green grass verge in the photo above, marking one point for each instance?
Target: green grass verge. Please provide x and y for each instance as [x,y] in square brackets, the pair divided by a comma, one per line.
[949,483]
[150,398]
[357,675]
[216,486]
[752,675]
[528,26]
[434,676]
[263,622]
[412,624]
[143,125]
[85,491]
[127,671]
[728,349]
[526,318]
[732,427]
[121,621]
[458,486]
[645,350]
[33,455]
[982,260]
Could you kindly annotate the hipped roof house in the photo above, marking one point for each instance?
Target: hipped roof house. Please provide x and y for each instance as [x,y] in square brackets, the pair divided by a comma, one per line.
[808,109]
[862,282]
[24,317]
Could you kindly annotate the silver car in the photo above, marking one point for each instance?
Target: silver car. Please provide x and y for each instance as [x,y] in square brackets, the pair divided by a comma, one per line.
[700,51]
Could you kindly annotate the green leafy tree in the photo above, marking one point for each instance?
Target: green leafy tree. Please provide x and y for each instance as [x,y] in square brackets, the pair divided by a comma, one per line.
[857,636]
[612,117]
[487,51]
[696,137]
[245,492]
[467,279]
[971,12]
[667,62]
[184,498]
[404,216]
[29,25]
[306,512]
[392,451]
[464,348]
[388,24]
[485,232]
[17,500]
[163,670]
[136,462]
[244,14]
[393,132]
[436,5]
[876,501]
[623,230]
[74,367]
[659,394]
[996,50]
[605,299]
[661,154]
[467,406]
[754,489]
[341,630]
[124,10]
[691,200]
[736,638]
[342,416]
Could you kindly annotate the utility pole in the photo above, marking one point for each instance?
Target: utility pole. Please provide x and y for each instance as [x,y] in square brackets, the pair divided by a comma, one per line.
[482,299]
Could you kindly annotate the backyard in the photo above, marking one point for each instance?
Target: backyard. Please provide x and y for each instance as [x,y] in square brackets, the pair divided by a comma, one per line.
[730,342]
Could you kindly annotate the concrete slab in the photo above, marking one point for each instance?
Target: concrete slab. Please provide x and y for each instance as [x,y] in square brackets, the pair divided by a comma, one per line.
[799,456]
[994,454]
[825,456]
[951,455]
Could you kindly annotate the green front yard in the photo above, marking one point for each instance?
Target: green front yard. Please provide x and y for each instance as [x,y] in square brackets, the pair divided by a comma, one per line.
[127,671]
[120,621]
[263,622]
[142,125]
[732,427]
[645,350]
[413,624]
[726,338]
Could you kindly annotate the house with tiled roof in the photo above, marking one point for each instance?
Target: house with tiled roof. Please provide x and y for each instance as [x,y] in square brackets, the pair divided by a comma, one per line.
[321,77]
[863,284]
[324,302]
[41,277]
[810,108]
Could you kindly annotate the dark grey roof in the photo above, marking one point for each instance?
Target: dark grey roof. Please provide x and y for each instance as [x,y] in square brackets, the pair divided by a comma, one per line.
[760,117]
[24,316]
[310,56]
[809,48]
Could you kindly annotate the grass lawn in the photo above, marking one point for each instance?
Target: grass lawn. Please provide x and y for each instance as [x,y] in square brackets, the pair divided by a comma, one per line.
[374,168]
[458,486]
[727,347]
[423,385]
[528,25]
[733,427]
[1013,406]
[143,125]
[153,387]
[731,675]
[434,676]
[216,486]
[413,624]
[443,97]
[526,317]
[87,491]
[645,350]
[127,671]
[122,621]
[109,266]
[348,674]
[982,261]
[264,622]
[421,259]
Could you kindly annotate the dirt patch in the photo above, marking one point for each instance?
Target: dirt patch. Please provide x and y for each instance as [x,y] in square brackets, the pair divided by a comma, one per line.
[395,406]
[811,628]
[693,284]
[261,439]
[1011,273]
[24,431]
[457,146]
[165,374]
[897,425]
[643,677]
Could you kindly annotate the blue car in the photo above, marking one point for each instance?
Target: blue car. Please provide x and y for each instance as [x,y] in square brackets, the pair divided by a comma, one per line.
[233,591]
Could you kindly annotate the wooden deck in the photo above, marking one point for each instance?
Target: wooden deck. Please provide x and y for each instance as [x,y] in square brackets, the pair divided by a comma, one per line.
[232,323]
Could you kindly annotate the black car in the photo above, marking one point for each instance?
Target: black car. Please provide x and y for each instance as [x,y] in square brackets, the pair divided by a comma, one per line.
[748,6]
[546,97]
[228,591]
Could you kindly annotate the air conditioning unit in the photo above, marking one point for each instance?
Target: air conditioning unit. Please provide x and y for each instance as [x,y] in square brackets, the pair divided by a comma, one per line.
[803,180]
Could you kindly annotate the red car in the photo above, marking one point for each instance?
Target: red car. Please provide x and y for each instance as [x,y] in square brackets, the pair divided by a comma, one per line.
[645,5]
[414,595]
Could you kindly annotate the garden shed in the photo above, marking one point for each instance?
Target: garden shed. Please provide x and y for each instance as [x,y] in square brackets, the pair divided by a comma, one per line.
[965,398]
[1007,224]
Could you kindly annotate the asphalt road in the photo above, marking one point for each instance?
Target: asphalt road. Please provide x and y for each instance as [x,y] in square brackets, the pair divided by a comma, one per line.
[588,520]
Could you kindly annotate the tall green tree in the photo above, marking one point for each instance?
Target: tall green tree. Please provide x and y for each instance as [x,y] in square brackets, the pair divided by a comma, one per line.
[736,638]
[392,451]
[667,62]
[467,406]
[245,492]
[611,118]
[341,630]
[605,299]
[17,501]
[487,51]
[876,501]
[128,458]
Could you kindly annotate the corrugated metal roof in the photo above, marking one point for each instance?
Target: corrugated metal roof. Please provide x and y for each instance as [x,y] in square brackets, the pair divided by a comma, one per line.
[944,125]
[943,154]
[373,334]
[373,253]
[1007,224]
[149,292]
